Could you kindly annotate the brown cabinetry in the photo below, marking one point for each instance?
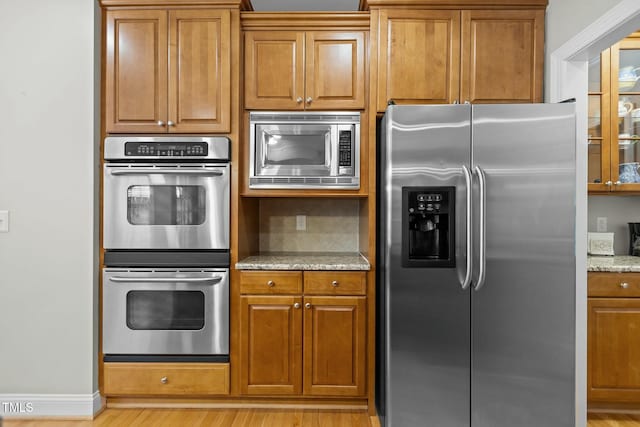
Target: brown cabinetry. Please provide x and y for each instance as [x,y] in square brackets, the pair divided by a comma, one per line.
[448,56]
[614,118]
[300,344]
[166,379]
[168,71]
[613,360]
[298,70]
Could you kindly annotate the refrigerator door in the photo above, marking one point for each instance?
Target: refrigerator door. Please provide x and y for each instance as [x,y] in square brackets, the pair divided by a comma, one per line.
[426,324]
[523,324]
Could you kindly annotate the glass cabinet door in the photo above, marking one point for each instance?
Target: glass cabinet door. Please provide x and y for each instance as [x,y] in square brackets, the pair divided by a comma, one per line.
[598,170]
[625,114]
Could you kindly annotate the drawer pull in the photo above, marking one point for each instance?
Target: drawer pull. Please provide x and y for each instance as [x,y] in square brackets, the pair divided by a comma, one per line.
[270,284]
[624,285]
[164,380]
[335,283]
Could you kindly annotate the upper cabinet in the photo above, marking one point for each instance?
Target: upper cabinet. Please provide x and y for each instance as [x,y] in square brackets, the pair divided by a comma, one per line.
[168,71]
[614,118]
[304,70]
[455,56]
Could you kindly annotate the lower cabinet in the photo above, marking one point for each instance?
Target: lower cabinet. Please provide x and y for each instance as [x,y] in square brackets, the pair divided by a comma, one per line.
[613,338]
[301,344]
[166,379]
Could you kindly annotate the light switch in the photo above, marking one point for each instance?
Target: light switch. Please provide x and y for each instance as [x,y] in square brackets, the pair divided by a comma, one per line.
[4,221]
[301,222]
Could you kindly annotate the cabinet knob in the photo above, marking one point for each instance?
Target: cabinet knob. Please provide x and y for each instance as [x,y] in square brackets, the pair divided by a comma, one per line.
[307,305]
[617,183]
[455,102]
[164,380]
[467,102]
[160,123]
[299,99]
[335,283]
[296,305]
[309,99]
[270,284]
[170,123]
[608,183]
[624,285]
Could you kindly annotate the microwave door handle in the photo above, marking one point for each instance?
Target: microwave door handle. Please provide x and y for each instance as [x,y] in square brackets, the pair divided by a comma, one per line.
[153,171]
[334,146]
[119,279]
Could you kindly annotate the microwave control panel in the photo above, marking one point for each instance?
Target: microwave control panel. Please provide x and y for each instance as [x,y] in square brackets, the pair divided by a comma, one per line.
[166,149]
[345,148]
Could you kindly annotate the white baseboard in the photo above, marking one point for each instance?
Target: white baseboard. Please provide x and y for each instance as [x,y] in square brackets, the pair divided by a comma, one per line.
[50,405]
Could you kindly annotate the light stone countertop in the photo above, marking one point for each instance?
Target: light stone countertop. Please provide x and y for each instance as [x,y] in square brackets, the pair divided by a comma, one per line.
[305,261]
[614,264]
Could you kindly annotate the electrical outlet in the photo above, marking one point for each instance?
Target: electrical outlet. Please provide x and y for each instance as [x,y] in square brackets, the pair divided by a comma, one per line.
[301,222]
[4,221]
[601,224]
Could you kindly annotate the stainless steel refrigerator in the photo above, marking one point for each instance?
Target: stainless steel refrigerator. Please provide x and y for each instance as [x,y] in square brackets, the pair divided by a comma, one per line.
[476,266]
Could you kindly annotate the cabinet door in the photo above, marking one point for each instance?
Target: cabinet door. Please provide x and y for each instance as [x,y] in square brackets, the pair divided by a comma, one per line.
[334,346]
[613,361]
[625,114]
[200,71]
[274,70]
[334,70]
[270,345]
[136,71]
[502,56]
[599,112]
[419,57]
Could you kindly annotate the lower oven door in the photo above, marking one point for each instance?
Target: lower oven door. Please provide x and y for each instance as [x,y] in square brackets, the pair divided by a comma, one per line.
[166,206]
[165,312]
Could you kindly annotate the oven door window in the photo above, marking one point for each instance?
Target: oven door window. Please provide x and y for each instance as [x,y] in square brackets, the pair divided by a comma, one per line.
[165,310]
[166,205]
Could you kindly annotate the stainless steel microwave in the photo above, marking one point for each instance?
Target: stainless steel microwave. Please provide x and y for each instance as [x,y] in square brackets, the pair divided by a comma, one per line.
[304,150]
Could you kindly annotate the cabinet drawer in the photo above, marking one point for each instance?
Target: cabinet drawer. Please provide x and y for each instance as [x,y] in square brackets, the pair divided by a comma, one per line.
[270,282]
[193,379]
[614,284]
[335,283]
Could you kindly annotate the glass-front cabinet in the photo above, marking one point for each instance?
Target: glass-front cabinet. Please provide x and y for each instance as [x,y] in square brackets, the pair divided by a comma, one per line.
[614,118]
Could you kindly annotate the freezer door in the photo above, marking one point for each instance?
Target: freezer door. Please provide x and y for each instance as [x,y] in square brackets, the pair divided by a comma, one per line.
[426,311]
[523,324]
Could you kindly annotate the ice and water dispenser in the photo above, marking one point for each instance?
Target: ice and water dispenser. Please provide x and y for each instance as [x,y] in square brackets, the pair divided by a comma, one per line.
[428,221]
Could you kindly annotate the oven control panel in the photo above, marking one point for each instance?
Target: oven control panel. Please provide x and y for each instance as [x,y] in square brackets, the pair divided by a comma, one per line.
[166,149]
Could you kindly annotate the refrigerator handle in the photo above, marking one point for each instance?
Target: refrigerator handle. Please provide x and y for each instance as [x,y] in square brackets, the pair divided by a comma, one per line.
[469,247]
[482,220]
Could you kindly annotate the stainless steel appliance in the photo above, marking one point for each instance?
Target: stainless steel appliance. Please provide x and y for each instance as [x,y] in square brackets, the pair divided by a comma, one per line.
[164,313]
[165,193]
[477,266]
[304,150]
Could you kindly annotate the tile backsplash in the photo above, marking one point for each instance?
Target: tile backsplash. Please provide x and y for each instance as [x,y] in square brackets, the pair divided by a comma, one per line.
[619,210]
[331,225]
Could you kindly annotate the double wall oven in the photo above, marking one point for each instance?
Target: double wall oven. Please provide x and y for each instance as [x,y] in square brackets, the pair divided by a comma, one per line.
[166,241]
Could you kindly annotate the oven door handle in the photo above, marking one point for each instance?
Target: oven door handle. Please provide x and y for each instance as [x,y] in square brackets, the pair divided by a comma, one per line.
[119,279]
[158,171]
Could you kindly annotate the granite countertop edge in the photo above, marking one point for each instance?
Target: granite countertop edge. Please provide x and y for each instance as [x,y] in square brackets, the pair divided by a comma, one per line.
[614,264]
[302,261]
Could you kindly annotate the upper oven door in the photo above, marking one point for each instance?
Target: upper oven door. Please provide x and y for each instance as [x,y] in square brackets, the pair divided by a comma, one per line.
[294,150]
[166,206]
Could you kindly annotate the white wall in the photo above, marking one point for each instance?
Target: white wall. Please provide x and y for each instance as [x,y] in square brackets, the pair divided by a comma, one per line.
[48,155]
[619,210]
[565,19]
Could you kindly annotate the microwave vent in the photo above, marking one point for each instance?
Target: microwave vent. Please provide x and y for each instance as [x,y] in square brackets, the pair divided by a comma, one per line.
[284,117]
[293,182]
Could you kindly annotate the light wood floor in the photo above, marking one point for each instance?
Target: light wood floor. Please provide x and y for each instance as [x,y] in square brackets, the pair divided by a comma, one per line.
[210,418]
[255,418]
